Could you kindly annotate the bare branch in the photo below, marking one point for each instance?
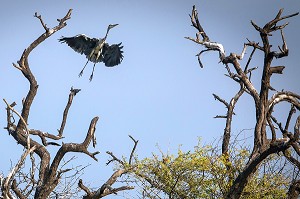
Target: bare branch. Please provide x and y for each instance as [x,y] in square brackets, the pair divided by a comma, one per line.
[113,178]
[255,45]
[257,27]
[196,24]
[17,67]
[73,147]
[272,128]
[41,20]
[278,124]
[284,51]
[133,149]
[106,188]
[214,46]
[73,92]
[21,119]
[288,120]
[277,69]
[103,191]
[250,71]
[230,113]
[291,158]
[10,177]
[271,26]
[16,190]
[221,100]
[84,188]
[297,130]
[63,20]
[23,64]
[44,135]
[284,96]
[16,112]
[114,158]
[220,116]
[248,62]
[199,54]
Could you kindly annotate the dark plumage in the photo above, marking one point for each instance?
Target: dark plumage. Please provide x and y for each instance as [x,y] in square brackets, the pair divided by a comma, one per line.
[96,50]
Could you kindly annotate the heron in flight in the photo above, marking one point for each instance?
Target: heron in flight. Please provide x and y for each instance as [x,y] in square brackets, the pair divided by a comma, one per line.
[96,50]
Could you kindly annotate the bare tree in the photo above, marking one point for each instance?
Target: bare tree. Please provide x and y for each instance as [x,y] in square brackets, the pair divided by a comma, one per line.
[266,120]
[41,182]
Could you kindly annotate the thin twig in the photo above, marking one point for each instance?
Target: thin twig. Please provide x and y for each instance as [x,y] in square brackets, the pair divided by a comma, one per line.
[16,168]
[41,20]
[22,119]
[133,149]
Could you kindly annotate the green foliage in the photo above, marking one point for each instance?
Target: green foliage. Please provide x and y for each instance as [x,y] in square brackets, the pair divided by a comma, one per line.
[204,173]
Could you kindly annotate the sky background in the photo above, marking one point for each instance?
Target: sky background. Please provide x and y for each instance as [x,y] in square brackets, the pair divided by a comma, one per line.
[158,94]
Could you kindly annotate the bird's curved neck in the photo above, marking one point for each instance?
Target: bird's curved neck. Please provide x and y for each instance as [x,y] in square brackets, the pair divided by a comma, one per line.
[106,33]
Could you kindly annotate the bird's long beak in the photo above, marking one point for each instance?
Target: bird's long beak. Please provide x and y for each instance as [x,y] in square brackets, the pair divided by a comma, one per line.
[113,25]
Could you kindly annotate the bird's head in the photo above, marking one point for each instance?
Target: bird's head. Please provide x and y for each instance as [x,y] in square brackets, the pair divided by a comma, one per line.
[110,26]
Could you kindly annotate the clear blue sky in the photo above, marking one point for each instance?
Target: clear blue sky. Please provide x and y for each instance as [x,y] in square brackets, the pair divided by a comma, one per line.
[158,94]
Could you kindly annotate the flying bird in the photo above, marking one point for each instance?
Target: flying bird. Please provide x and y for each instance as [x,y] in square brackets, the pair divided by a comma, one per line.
[96,50]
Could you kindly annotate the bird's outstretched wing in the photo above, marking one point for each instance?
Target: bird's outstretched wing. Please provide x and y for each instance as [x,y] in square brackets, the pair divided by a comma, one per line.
[112,55]
[80,43]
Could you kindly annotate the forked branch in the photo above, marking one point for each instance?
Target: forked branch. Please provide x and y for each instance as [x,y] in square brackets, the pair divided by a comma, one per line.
[210,46]
[106,188]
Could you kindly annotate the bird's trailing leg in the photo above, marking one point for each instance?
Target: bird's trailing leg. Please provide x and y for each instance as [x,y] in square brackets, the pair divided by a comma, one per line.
[81,72]
[91,77]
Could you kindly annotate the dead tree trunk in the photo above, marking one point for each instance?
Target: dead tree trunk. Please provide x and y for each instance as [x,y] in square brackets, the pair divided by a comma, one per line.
[264,104]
